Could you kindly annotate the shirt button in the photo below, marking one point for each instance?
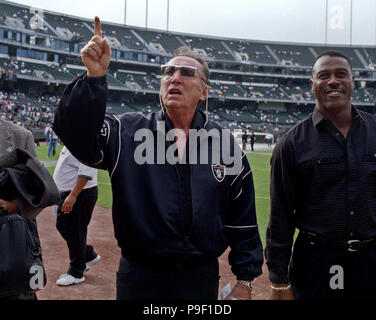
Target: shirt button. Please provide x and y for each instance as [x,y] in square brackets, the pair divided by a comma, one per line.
[337,134]
[352,213]
[351,234]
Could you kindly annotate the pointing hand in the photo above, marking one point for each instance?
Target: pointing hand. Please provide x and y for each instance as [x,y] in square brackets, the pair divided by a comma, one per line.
[96,54]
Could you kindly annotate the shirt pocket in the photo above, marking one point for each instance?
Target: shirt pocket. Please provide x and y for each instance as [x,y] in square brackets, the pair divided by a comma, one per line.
[319,172]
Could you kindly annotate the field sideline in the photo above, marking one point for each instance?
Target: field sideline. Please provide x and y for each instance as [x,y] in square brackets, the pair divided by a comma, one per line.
[261,174]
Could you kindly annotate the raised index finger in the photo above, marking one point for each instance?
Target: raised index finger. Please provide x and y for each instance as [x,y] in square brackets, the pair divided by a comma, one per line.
[97,27]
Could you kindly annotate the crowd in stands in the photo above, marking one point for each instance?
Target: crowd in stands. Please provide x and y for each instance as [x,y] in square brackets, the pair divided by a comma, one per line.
[33,113]
[38,112]
[221,86]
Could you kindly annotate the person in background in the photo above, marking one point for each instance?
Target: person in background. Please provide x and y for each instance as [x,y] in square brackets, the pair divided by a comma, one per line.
[52,143]
[11,137]
[78,187]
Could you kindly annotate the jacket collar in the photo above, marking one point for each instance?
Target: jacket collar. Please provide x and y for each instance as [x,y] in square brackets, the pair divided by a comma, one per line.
[198,121]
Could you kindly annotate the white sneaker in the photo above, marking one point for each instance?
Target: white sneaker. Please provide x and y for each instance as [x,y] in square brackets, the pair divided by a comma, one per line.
[92,263]
[68,280]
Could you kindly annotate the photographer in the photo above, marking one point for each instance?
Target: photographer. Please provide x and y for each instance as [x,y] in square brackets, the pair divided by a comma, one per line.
[34,189]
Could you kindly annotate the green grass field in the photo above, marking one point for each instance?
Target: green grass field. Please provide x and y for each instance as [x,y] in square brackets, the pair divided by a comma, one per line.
[259,164]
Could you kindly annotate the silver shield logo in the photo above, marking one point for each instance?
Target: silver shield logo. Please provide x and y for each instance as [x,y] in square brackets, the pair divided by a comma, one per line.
[219,172]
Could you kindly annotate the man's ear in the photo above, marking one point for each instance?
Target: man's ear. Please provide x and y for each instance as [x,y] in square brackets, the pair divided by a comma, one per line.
[204,93]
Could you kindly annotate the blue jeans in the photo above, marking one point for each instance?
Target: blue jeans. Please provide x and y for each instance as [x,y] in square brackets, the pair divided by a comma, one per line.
[52,147]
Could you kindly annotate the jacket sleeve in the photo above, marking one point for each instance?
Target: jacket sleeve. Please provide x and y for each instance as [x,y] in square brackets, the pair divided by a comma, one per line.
[30,144]
[25,209]
[79,120]
[281,227]
[246,255]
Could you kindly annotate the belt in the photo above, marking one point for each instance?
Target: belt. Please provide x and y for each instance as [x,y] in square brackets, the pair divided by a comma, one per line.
[352,245]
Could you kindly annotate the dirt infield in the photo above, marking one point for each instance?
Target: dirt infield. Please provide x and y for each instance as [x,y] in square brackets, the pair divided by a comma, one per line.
[100,281]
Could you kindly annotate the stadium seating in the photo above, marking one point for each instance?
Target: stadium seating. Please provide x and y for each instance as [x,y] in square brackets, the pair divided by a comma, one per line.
[245,73]
[167,41]
[348,52]
[124,35]
[293,55]
[74,27]
[256,52]
[21,17]
[209,48]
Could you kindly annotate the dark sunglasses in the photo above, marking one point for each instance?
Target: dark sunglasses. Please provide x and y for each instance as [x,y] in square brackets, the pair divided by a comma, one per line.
[169,70]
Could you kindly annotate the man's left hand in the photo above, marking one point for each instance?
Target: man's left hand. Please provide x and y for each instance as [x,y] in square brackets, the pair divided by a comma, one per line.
[68,204]
[240,292]
[10,207]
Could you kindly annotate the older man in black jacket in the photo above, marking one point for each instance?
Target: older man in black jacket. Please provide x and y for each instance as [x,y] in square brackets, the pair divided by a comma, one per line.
[172,218]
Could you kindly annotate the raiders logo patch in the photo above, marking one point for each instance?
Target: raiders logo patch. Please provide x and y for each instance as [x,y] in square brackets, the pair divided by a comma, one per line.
[219,172]
[104,130]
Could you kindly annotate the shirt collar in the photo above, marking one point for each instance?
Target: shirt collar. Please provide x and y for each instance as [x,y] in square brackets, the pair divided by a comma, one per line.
[318,117]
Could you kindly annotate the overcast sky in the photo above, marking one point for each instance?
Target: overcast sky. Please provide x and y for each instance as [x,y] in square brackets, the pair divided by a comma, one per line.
[302,21]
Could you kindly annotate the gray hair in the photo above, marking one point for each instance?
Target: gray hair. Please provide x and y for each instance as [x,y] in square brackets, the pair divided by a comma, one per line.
[186,52]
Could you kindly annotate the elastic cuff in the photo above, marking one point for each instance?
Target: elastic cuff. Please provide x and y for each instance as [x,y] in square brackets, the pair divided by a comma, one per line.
[97,80]
[278,277]
[244,276]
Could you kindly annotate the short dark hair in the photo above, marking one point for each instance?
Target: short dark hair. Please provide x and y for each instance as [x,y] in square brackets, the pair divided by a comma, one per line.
[186,52]
[331,53]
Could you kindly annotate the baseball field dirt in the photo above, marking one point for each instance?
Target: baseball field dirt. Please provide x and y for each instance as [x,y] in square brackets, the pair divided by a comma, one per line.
[101,279]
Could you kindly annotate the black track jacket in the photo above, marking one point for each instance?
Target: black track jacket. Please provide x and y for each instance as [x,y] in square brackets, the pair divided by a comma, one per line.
[146,200]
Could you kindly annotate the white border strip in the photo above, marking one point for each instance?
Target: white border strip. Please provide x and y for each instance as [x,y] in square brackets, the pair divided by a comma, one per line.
[247,174]
[119,148]
[109,131]
[237,177]
[241,191]
[95,164]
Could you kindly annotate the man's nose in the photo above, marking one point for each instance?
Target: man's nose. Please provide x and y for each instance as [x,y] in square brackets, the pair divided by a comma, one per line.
[333,80]
[176,76]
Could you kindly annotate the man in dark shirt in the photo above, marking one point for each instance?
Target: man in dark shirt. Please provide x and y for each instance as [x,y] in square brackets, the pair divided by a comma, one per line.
[253,138]
[323,182]
[172,220]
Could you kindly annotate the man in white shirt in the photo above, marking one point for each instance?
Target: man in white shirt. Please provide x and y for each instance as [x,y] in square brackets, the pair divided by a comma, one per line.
[78,187]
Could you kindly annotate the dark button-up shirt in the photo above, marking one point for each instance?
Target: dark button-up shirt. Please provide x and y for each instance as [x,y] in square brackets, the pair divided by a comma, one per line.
[323,183]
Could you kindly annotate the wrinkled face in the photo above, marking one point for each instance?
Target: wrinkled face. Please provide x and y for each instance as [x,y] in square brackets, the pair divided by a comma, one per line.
[332,83]
[182,92]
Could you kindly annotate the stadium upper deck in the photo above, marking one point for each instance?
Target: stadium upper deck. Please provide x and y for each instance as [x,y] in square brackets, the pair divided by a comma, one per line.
[44,46]
[55,26]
